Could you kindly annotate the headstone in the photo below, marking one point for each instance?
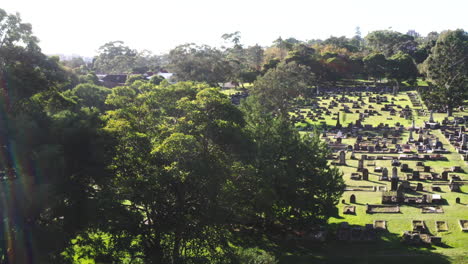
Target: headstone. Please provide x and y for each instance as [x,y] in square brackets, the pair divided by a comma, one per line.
[339,134]
[394,172]
[411,136]
[360,165]
[438,144]
[415,175]
[357,147]
[365,174]
[342,157]
[420,138]
[431,118]
[384,174]
[457,200]
[445,175]
[352,198]
[394,179]
[419,187]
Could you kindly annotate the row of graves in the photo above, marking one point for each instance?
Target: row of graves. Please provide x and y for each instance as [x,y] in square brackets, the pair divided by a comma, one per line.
[425,147]
[406,183]
[458,138]
[318,111]
[412,179]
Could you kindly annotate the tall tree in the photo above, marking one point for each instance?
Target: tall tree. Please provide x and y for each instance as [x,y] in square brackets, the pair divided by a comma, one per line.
[401,67]
[390,42]
[280,85]
[375,65]
[115,57]
[199,63]
[447,67]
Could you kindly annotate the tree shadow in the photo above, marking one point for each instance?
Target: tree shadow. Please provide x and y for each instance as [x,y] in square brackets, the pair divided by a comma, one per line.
[388,247]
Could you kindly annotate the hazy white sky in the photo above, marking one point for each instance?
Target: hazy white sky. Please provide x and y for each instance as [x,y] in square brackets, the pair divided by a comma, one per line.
[81,26]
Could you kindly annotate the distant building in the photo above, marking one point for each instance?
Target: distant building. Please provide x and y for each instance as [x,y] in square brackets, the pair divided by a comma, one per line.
[166,75]
[112,80]
[228,85]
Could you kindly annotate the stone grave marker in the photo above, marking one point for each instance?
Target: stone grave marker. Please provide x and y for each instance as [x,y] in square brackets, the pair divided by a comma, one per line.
[419,187]
[342,157]
[394,172]
[445,175]
[352,198]
[360,165]
[365,174]
[384,174]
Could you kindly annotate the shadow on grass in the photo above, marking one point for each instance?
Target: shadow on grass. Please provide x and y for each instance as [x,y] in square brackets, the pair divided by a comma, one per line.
[377,182]
[388,248]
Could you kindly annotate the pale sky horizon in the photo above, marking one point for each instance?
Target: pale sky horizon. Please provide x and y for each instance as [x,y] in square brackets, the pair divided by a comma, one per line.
[81,27]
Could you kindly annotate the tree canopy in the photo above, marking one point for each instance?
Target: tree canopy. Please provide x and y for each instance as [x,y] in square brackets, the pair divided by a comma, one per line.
[447,67]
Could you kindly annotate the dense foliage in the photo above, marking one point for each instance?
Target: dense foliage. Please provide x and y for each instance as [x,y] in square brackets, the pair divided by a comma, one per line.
[153,172]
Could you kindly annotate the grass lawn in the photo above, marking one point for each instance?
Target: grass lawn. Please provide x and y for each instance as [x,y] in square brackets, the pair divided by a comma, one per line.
[389,249]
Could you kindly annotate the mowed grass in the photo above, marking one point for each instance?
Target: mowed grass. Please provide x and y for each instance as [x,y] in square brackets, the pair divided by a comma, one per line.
[390,249]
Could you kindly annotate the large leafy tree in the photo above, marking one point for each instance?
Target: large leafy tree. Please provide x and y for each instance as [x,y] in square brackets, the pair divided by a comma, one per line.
[176,151]
[50,151]
[390,42]
[280,85]
[199,63]
[115,57]
[375,65]
[447,67]
[189,165]
[401,67]
[294,185]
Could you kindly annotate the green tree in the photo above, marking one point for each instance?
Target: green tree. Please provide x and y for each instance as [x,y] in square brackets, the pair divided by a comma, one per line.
[280,85]
[375,65]
[115,57]
[199,63]
[175,153]
[390,42]
[89,95]
[301,189]
[447,67]
[401,67]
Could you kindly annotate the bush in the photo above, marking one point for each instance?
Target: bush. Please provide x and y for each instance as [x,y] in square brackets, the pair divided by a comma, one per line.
[255,256]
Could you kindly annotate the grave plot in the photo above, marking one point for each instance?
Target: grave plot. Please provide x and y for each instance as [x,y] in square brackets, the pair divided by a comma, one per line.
[360,188]
[463,225]
[381,208]
[397,162]
[441,226]
[419,226]
[346,232]
[349,209]
[380,224]
[432,210]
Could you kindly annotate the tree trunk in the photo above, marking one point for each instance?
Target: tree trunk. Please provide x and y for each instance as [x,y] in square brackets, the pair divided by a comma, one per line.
[175,250]
[154,253]
[397,88]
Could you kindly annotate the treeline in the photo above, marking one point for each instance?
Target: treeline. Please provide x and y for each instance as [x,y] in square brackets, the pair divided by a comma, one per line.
[439,59]
[146,173]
